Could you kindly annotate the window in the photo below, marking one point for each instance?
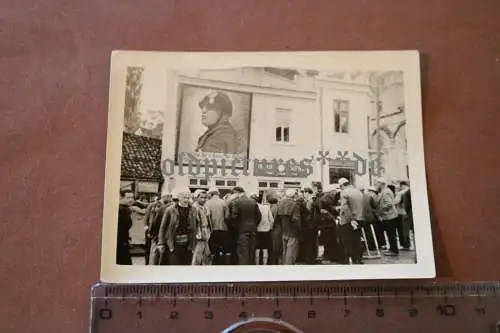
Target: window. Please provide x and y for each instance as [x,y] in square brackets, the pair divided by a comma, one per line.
[273,185]
[292,185]
[337,173]
[283,121]
[262,184]
[341,116]
[231,183]
[220,183]
[198,182]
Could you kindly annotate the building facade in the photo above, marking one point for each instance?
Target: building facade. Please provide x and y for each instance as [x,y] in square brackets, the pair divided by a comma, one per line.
[346,105]
[289,115]
[391,129]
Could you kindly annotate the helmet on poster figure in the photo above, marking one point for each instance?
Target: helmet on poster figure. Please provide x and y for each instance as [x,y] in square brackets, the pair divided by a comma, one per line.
[217,101]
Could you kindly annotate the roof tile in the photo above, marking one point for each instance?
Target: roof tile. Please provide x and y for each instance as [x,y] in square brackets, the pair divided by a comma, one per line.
[141,157]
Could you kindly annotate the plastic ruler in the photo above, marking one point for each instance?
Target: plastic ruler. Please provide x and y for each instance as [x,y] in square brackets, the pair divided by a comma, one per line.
[291,307]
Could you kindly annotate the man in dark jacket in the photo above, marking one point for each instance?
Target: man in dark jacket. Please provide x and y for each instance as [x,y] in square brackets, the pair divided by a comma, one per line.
[288,216]
[351,215]
[276,253]
[153,218]
[369,220]
[308,248]
[123,256]
[219,240]
[328,203]
[220,136]
[407,204]
[178,228]
[245,216]
[388,215]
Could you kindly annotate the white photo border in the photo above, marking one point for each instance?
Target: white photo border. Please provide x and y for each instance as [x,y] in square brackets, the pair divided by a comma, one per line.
[406,61]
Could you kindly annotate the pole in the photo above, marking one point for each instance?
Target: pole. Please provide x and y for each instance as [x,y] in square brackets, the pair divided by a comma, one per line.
[378,105]
[320,96]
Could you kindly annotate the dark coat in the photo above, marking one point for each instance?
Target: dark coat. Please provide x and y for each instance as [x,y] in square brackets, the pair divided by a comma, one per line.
[245,214]
[153,217]
[407,203]
[327,201]
[288,216]
[122,242]
[305,214]
[124,225]
[369,207]
[170,224]
[221,138]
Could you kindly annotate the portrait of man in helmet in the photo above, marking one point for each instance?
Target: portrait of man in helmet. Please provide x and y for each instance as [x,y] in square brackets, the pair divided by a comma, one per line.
[220,137]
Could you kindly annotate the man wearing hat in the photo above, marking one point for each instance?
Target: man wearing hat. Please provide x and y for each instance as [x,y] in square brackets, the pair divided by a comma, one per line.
[153,218]
[178,228]
[123,256]
[388,214]
[220,136]
[351,215]
[369,217]
[371,213]
[201,251]
[219,241]
[328,204]
[245,216]
[308,243]
[288,215]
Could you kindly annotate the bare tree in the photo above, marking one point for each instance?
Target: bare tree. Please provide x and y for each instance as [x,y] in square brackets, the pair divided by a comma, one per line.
[133,98]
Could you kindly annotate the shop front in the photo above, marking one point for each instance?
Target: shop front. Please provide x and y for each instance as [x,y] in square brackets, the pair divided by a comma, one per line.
[277,178]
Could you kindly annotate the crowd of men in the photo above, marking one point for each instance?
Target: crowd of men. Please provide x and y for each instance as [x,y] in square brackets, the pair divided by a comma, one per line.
[204,228]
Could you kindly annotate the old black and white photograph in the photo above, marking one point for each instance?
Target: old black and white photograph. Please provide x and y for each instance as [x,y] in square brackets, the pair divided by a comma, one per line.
[265,167]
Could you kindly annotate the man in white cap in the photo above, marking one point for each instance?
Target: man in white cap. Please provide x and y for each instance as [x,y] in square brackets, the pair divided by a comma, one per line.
[388,215]
[351,215]
[219,240]
[178,227]
[288,215]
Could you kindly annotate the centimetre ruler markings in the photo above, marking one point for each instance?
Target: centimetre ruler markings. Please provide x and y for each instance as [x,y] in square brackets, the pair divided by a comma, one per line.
[211,308]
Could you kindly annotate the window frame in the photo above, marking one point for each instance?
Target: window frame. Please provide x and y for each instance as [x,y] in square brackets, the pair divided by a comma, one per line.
[348,173]
[281,126]
[339,113]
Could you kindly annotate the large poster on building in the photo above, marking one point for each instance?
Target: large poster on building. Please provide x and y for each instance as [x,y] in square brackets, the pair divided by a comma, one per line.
[213,125]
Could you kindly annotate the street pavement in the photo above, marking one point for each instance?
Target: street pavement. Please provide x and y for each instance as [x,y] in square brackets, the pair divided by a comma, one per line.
[405,257]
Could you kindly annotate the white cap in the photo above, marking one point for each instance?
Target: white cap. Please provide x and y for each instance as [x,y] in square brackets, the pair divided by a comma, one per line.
[180,190]
[197,193]
[213,190]
[381,180]
[331,187]
[290,192]
[253,195]
[343,181]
